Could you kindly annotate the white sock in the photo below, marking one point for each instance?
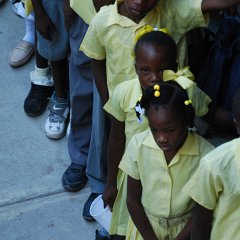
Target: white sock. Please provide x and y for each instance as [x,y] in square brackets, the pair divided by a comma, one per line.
[30,31]
[41,76]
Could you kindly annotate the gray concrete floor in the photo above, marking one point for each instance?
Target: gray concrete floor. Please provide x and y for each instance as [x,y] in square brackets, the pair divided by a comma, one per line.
[33,205]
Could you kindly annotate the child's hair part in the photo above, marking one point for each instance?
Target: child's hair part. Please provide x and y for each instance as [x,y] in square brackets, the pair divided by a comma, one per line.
[236,105]
[158,38]
[170,96]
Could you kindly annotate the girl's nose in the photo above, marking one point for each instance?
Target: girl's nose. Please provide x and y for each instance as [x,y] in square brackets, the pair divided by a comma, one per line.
[157,78]
[162,138]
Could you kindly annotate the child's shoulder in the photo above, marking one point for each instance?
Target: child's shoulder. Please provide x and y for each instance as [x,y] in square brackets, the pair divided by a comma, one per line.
[128,85]
[203,144]
[103,15]
[224,154]
[142,138]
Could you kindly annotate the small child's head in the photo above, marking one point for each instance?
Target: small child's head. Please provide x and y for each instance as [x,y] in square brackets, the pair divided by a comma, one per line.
[236,110]
[155,51]
[137,10]
[169,112]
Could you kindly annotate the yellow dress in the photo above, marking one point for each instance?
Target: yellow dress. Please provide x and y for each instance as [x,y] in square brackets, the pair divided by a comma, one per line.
[167,208]
[216,186]
[121,105]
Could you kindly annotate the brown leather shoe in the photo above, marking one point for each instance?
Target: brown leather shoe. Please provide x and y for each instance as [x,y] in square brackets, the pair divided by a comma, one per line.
[21,54]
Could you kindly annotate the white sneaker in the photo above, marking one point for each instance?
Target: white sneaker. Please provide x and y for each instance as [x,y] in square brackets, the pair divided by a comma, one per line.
[55,125]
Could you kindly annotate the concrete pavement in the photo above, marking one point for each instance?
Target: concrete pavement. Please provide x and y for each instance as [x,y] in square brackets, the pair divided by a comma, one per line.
[33,205]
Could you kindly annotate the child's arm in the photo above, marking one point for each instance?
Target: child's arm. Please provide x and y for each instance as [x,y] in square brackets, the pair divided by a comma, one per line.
[69,14]
[43,23]
[185,234]
[100,78]
[115,152]
[211,5]
[136,210]
[202,223]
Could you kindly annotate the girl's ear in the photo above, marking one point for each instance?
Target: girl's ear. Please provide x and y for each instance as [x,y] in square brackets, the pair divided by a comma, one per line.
[237,125]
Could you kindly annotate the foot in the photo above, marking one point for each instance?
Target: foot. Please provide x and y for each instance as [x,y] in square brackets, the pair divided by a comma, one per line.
[21,54]
[55,126]
[37,99]
[86,209]
[99,236]
[15,5]
[74,178]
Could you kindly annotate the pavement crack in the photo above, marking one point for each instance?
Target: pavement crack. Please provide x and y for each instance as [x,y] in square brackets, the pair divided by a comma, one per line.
[31,198]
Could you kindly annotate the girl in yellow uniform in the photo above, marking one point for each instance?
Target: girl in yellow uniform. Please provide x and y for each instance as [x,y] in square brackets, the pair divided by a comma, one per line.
[155,51]
[159,162]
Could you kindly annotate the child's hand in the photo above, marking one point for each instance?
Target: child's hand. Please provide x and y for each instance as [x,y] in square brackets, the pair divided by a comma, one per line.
[45,27]
[109,196]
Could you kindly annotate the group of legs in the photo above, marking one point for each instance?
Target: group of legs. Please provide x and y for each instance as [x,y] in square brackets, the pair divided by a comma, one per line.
[87,135]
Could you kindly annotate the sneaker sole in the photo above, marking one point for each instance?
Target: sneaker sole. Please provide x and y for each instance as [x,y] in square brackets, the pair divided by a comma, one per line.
[74,189]
[89,219]
[56,137]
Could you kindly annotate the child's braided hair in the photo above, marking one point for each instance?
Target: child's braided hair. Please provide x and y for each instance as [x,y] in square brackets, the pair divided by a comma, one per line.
[169,95]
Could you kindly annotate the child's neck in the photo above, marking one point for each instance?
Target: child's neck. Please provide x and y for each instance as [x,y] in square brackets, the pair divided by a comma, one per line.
[122,10]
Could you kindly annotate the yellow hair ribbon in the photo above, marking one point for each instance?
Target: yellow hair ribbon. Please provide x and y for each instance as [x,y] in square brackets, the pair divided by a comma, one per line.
[147,29]
[183,77]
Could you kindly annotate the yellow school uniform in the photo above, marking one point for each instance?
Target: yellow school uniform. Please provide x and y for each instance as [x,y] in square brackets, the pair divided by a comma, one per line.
[121,105]
[167,208]
[84,8]
[110,35]
[216,186]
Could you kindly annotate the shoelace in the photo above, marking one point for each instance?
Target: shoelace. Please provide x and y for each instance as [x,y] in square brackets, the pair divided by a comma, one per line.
[55,118]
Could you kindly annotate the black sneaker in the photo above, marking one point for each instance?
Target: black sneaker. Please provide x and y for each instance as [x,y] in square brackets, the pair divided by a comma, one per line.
[74,178]
[98,236]
[86,209]
[37,99]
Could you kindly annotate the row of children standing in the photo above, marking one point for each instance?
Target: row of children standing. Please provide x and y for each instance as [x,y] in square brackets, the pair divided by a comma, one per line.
[168,146]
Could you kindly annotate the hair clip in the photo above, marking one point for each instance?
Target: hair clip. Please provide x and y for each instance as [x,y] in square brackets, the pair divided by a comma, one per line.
[147,29]
[140,112]
[187,102]
[157,90]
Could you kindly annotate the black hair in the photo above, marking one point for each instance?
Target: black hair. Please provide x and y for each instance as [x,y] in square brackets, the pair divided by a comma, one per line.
[158,38]
[172,97]
[236,105]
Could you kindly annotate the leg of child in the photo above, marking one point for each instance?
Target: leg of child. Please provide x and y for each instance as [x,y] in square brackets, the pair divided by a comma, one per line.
[97,158]
[41,88]
[24,50]
[81,98]
[55,125]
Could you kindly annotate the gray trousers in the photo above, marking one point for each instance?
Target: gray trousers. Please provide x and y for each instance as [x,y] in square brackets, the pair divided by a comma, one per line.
[86,144]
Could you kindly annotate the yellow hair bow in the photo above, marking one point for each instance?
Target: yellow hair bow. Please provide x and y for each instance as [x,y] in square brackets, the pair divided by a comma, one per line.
[183,77]
[146,29]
